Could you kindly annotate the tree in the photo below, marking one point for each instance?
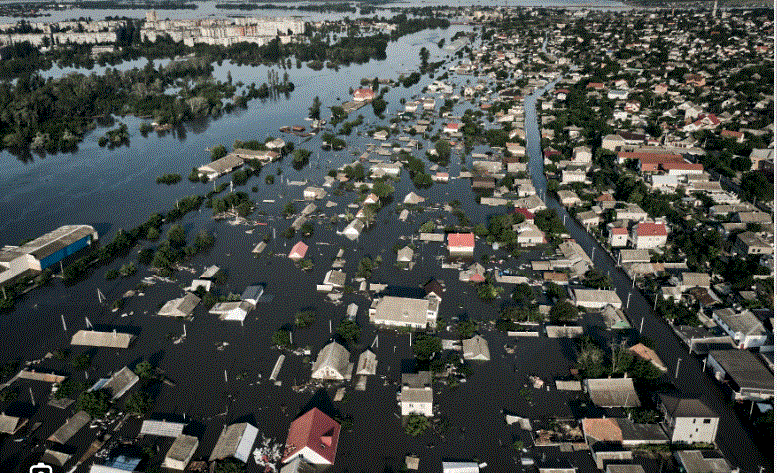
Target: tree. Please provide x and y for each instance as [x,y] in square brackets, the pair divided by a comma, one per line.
[230,465]
[590,358]
[218,152]
[378,105]
[144,370]
[95,403]
[443,149]
[424,54]
[177,236]
[467,328]
[755,185]
[315,109]
[562,311]
[305,318]
[382,189]
[139,403]
[416,425]
[595,279]
[426,346]
[281,338]
[555,291]
[348,330]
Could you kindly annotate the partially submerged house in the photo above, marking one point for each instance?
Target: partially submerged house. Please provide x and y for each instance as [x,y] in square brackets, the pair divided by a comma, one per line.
[235,441]
[180,307]
[475,348]
[404,311]
[415,395]
[332,363]
[314,437]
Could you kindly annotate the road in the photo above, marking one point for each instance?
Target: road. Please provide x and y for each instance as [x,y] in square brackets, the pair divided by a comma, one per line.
[733,439]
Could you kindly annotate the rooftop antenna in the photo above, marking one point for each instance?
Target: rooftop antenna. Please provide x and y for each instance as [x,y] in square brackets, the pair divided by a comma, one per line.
[88,324]
[100,296]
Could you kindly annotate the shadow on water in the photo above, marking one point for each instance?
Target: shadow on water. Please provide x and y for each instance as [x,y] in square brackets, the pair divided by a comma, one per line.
[322,402]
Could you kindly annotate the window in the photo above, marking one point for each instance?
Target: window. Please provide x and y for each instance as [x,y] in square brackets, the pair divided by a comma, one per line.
[707,421]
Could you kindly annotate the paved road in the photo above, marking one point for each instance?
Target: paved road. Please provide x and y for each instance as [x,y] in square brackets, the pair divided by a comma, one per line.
[733,439]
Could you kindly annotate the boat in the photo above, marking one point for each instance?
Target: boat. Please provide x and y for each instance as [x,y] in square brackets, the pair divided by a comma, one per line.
[285,129]
[298,128]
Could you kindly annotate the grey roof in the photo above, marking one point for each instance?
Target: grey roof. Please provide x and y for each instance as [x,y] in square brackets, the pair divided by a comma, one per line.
[230,439]
[335,277]
[95,338]
[744,369]
[252,293]
[612,392]
[209,272]
[685,407]
[51,242]
[225,164]
[53,457]
[475,348]
[401,310]
[405,254]
[641,432]
[696,279]
[181,307]
[162,428]
[368,363]
[182,448]
[10,424]
[612,468]
[634,256]
[696,461]
[417,380]
[333,355]
[298,465]
[121,382]
[744,322]
[70,427]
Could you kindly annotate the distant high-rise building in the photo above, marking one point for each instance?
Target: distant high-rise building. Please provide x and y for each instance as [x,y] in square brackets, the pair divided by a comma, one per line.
[151,16]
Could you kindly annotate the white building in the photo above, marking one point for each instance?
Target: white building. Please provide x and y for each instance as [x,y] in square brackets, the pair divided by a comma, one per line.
[595,298]
[581,154]
[688,420]
[404,311]
[743,327]
[647,235]
[415,396]
[332,363]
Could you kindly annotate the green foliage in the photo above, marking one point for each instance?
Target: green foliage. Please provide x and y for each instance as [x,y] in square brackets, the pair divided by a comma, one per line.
[756,185]
[138,403]
[467,328]
[416,425]
[230,465]
[69,388]
[348,330]
[547,220]
[82,361]
[95,403]
[144,370]
[382,189]
[366,266]
[488,292]
[427,227]
[281,338]
[315,109]
[218,152]
[595,279]
[562,311]
[590,358]
[426,346]
[555,291]
[168,179]
[240,177]
[289,209]
[305,318]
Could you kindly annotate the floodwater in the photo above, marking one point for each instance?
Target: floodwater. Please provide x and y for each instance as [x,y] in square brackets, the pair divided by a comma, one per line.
[114,189]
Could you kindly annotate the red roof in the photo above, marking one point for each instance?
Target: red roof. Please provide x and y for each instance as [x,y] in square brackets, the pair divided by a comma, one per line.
[299,250]
[562,91]
[316,431]
[605,198]
[651,229]
[363,94]
[453,126]
[461,240]
[619,231]
[525,212]
[682,166]
[731,134]
[477,278]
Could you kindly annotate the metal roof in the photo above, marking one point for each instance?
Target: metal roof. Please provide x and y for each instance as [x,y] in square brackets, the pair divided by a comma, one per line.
[70,427]
[161,428]
[744,369]
[612,392]
[182,448]
[96,338]
[121,382]
[55,240]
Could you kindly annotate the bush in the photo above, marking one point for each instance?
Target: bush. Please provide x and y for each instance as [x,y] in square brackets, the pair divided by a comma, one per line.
[416,425]
[281,338]
[304,318]
[95,403]
[169,179]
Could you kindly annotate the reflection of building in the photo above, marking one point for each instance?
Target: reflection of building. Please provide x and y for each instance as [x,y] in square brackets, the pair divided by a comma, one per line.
[44,251]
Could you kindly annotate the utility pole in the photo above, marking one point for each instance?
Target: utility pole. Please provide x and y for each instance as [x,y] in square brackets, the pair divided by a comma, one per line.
[677,368]
[641,324]
[64,325]
[628,300]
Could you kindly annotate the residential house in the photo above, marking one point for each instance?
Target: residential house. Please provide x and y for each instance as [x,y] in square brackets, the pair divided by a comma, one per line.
[569,176]
[618,237]
[568,198]
[702,461]
[353,229]
[313,193]
[461,244]
[368,363]
[363,95]
[220,166]
[687,420]
[743,373]
[332,363]
[581,154]
[648,354]
[405,255]
[298,251]
[612,392]
[743,327]
[475,348]
[646,235]
[528,234]
[231,311]
[235,441]
[415,395]
[596,299]
[180,307]
[404,311]
[181,452]
[314,437]
[749,243]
